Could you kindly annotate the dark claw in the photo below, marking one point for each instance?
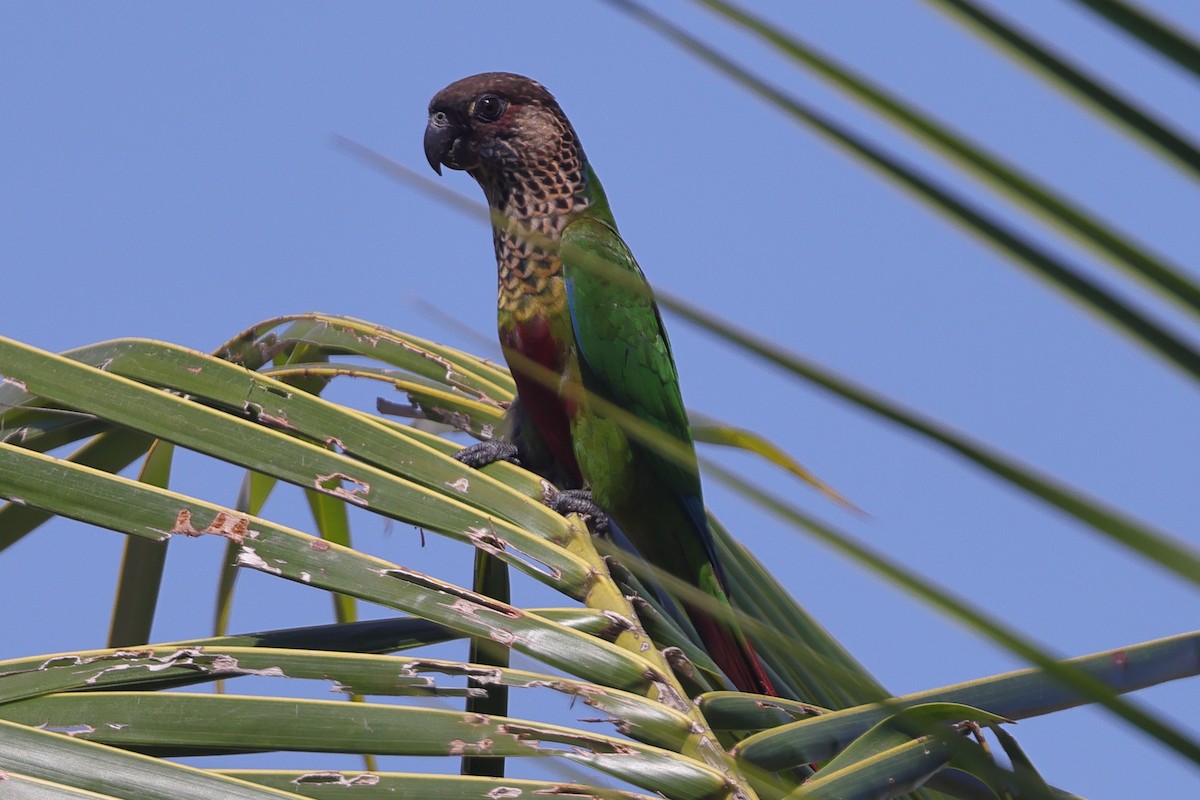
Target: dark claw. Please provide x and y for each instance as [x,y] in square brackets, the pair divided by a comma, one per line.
[489,452]
[579,501]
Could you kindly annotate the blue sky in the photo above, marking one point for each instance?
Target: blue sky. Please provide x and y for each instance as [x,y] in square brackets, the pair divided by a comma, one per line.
[168,173]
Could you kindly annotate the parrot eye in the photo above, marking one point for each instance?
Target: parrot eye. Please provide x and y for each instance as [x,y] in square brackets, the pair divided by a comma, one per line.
[489,108]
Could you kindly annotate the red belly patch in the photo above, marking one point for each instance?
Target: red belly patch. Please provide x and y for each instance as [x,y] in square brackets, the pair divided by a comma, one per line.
[534,340]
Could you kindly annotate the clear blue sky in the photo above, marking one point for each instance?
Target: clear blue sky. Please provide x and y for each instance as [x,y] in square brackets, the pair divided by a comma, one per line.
[167,172]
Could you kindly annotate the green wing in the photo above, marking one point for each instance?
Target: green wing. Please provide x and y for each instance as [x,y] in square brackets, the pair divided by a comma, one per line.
[624,357]
[619,335]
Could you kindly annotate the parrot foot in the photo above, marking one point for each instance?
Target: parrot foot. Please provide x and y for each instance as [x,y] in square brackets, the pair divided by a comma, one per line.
[489,452]
[577,501]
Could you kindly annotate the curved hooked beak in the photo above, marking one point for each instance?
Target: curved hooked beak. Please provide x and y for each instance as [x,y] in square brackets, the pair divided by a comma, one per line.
[441,136]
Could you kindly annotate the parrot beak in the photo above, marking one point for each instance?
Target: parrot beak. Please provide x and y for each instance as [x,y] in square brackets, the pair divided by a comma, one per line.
[441,135]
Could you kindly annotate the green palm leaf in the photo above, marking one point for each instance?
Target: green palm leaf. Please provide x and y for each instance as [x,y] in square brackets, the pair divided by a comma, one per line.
[109,723]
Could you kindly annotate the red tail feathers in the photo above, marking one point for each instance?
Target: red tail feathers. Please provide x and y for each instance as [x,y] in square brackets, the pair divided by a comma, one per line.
[733,654]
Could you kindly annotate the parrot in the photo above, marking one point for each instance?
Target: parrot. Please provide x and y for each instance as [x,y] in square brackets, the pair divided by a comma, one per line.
[550,215]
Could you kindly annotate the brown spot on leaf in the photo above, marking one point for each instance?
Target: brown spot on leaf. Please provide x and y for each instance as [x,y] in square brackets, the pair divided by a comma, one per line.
[575,790]
[332,778]
[273,421]
[351,494]
[233,527]
[483,675]
[183,523]
[461,747]
[489,541]
[504,793]
[473,598]
[527,733]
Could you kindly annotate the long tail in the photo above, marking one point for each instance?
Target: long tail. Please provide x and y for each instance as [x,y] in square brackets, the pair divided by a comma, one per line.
[730,650]
[724,640]
[666,524]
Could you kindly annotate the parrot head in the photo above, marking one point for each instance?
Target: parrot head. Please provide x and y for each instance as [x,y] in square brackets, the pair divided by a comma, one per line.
[498,126]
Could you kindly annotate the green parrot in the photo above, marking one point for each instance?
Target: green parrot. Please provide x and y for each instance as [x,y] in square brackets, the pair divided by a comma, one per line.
[510,135]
